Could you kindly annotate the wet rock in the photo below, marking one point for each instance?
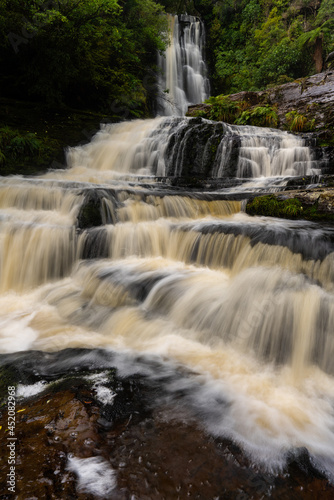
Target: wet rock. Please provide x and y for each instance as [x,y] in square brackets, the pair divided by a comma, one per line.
[147,447]
[312,97]
[95,244]
[98,208]
[305,181]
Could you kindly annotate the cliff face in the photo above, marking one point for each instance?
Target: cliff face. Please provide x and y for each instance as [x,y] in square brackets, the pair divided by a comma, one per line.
[312,97]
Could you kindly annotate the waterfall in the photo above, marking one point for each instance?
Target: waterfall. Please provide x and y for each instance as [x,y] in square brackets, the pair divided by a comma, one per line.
[174,146]
[183,78]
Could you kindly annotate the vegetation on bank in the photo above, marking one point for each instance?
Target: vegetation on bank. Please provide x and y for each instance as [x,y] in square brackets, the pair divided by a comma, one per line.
[223,108]
[33,137]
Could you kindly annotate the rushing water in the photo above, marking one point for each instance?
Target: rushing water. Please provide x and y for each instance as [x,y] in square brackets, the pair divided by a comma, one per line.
[244,305]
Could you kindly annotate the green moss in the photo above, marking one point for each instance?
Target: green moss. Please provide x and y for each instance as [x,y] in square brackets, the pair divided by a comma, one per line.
[291,208]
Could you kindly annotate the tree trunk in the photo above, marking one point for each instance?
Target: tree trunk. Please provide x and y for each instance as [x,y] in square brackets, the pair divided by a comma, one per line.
[317,56]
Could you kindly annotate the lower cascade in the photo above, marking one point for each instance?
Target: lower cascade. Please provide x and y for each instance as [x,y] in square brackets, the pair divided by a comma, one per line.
[110,257]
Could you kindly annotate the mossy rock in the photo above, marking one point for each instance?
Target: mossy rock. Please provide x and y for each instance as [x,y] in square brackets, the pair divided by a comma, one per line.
[286,208]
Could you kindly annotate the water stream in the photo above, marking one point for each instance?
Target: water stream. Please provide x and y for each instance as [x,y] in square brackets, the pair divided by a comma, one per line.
[244,305]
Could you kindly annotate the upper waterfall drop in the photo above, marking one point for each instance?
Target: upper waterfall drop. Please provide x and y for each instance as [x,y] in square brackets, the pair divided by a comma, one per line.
[183,79]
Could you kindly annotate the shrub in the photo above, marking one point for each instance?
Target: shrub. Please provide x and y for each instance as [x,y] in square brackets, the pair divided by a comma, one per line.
[296,122]
[14,144]
[223,109]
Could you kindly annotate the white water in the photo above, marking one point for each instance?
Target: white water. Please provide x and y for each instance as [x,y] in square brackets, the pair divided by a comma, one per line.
[269,153]
[186,278]
[95,476]
[183,279]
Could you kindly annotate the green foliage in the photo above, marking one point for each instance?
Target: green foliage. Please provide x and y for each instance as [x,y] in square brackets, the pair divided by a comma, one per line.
[82,53]
[290,208]
[326,12]
[256,44]
[14,145]
[297,122]
[284,59]
[24,145]
[17,147]
[200,114]
[260,116]
[270,33]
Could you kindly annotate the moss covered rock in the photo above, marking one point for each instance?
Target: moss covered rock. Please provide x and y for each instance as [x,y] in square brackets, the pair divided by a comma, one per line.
[315,205]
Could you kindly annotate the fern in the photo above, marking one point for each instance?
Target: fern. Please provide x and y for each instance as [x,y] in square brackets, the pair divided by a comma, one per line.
[261,116]
[309,37]
[296,122]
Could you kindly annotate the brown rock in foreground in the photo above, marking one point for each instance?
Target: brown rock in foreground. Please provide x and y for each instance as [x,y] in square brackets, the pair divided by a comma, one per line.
[155,451]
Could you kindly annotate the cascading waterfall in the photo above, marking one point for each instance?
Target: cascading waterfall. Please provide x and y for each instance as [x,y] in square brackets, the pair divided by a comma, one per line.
[268,153]
[102,255]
